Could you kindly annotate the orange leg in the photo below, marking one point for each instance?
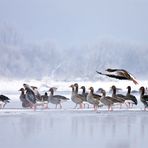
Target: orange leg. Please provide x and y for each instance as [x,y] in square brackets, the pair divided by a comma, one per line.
[95,108]
[81,106]
[34,107]
[46,106]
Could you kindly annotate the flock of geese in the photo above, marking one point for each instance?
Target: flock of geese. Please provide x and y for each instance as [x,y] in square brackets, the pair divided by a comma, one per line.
[31,98]
[100,98]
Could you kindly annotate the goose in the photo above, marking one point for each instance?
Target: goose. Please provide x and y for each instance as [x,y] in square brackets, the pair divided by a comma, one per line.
[117,98]
[25,103]
[36,95]
[106,100]
[84,93]
[93,98]
[36,92]
[30,96]
[143,97]
[75,97]
[81,96]
[130,99]
[56,99]
[120,74]
[3,101]
[39,99]
[44,99]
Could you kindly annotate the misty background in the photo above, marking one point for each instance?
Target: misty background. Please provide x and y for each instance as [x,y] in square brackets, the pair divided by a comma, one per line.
[65,40]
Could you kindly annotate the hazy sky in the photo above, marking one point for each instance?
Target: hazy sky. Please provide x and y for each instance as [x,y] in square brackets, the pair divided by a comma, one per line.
[77,22]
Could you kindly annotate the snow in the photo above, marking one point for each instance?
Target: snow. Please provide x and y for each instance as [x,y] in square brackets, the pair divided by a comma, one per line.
[68,127]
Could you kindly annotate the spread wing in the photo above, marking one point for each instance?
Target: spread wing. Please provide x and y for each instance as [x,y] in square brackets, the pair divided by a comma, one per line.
[113,76]
[120,74]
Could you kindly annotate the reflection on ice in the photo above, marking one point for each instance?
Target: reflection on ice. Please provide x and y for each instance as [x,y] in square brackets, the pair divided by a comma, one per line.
[75,129]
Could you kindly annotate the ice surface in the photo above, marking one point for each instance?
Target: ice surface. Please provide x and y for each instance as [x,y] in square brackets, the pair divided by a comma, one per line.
[70,128]
[73,128]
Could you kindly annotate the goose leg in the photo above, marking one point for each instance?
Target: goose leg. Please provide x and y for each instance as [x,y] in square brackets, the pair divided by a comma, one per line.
[75,106]
[81,106]
[46,106]
[95,108]
[4,105]
[145,109]
[60,106]
[1,106]
[43,105]
[120,105]
[126,105]
[129,105]
[111,109]
[108,108]
[132,105]
[34,107]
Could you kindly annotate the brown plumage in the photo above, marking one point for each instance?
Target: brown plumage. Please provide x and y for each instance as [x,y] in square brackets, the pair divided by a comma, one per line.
[93,98]
[117,98]
[106,100]
[120,74]
[75,97]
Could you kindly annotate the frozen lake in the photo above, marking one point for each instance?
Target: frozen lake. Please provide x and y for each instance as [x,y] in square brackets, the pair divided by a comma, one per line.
[73,128]
[69,128]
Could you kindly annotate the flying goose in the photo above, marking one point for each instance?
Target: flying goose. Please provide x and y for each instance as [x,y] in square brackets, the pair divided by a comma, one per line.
[120,74]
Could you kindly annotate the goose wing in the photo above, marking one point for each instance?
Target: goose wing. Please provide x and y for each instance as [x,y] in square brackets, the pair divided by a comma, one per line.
[120,74]
[145,98]
[60,97]
[133,98]
[30,96]
[113,76]
[96,97]
[4,98]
